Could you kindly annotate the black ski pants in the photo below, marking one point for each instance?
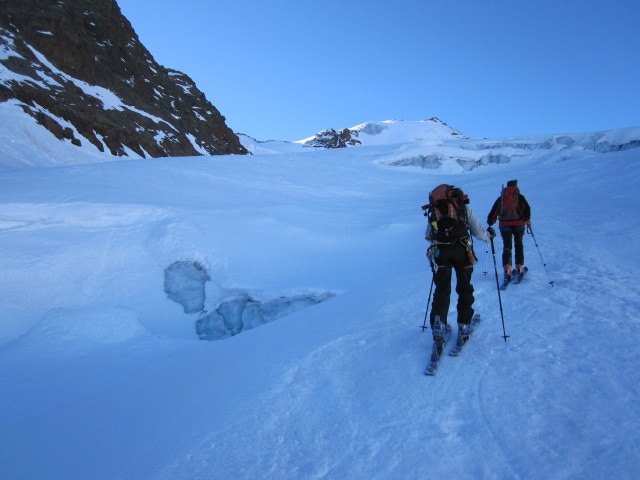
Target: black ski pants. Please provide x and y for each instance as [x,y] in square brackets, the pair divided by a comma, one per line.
[512,236]
[451,257]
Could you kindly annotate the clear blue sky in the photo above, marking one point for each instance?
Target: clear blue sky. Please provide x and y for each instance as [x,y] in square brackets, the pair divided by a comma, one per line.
[285,70]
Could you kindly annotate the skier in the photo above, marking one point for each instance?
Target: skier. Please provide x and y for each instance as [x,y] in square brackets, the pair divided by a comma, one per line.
[452,249]
[514,213]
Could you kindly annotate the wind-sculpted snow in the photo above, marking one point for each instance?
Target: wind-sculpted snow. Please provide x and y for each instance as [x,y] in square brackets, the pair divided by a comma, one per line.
[184,284]
[605,146]
[491,158]
[469,154]
[373,128]
[602,142]
[234,311]
[423,161]
[244,313]
[435,161]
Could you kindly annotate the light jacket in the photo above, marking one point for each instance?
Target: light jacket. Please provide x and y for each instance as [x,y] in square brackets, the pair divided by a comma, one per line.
[477,230]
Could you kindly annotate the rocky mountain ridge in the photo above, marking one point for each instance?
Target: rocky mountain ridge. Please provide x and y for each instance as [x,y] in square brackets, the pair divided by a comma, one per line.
[78,68]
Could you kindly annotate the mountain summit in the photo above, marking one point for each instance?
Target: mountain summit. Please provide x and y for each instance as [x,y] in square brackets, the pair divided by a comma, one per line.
[79,69]
[384,133]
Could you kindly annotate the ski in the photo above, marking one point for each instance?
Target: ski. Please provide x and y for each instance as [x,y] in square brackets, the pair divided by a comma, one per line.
[457,348]
[518,276]
[436,353]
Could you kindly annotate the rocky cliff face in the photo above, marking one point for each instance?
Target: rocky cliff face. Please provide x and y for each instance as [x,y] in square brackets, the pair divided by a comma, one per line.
[78,68]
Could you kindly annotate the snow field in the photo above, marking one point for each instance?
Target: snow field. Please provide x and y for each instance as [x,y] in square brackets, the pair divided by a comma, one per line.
[96,360]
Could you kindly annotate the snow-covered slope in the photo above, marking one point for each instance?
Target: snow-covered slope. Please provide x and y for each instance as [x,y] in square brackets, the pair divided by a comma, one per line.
[24,143]
[254,146]
[104,376]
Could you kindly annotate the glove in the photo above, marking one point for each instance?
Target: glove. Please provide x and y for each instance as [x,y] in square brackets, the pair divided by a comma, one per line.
[527,222]
[491,231]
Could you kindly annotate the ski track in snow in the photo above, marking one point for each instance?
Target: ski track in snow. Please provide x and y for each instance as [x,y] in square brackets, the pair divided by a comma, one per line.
[493,398]
[564,335]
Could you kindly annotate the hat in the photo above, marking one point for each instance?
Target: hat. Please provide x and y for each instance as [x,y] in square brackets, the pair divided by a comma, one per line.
[512,183]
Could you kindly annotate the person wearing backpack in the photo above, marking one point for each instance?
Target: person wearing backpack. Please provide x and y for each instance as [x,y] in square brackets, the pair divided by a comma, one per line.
[514,212]
[451,221]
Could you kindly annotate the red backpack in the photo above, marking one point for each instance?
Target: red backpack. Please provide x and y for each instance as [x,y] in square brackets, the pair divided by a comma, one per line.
[447,214]
[510,204]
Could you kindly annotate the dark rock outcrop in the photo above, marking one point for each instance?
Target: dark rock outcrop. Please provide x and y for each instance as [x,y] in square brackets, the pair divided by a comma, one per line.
[78,67]
[334,139]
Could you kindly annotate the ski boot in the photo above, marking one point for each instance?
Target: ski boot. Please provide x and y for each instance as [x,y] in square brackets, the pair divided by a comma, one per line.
[508,272]
[507,277]
[441,333]
[464,332]
[438,333]
[519,272]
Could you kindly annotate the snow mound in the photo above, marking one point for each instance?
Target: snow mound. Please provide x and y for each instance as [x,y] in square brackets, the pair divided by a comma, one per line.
[399,131]
[86,326]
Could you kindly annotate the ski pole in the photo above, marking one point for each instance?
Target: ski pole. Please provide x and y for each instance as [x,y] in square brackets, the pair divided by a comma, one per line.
[530,230]
[495,267]
[424,324]
[433,274]
[486,261]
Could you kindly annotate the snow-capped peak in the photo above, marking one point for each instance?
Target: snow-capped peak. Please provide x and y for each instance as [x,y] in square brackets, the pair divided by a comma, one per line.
[384,133]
